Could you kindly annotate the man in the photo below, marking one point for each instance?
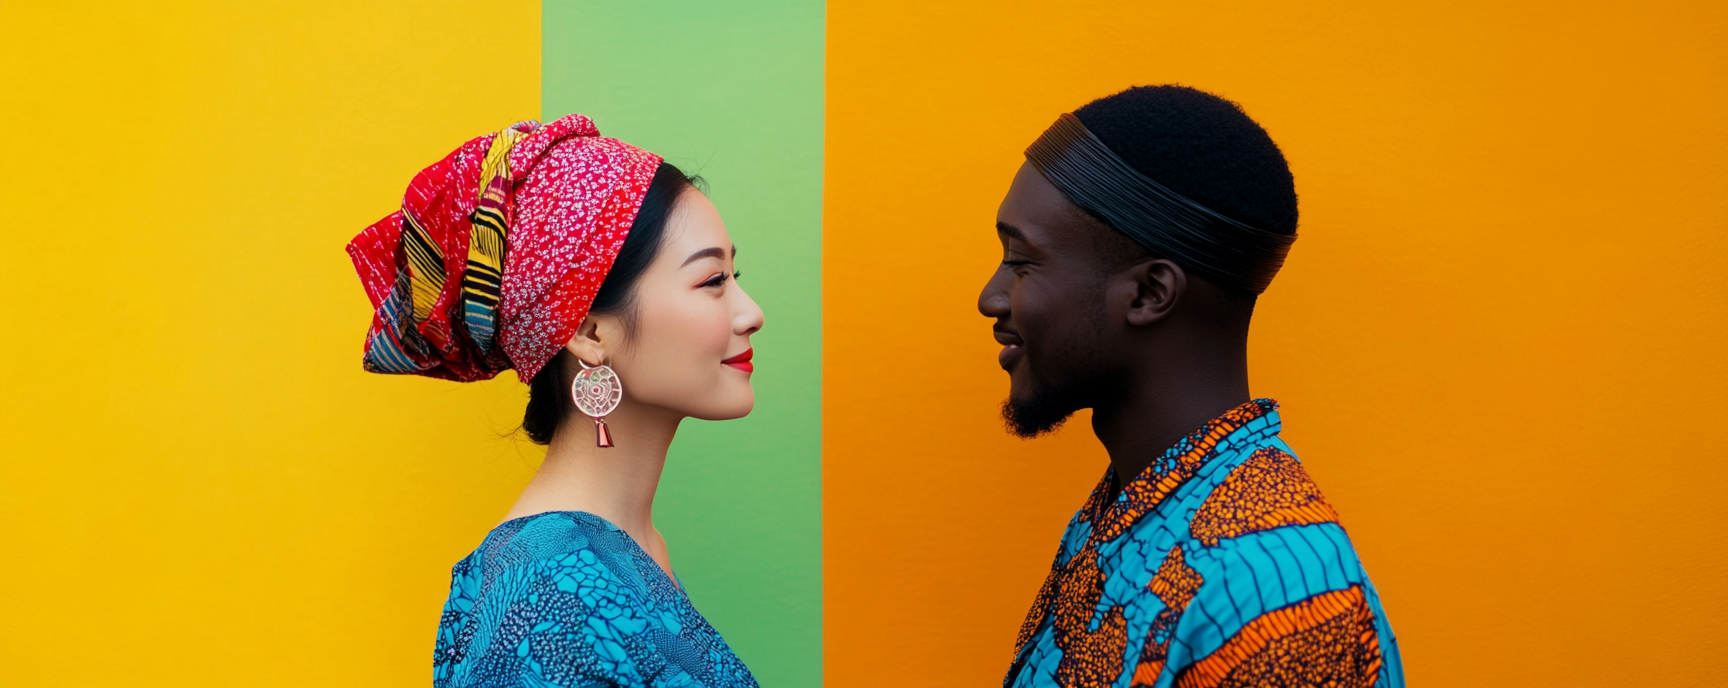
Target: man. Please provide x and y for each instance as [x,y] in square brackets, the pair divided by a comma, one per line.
[1135,240]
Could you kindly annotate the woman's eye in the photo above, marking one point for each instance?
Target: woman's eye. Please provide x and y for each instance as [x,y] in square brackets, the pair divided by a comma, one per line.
[715,281]
[737,274]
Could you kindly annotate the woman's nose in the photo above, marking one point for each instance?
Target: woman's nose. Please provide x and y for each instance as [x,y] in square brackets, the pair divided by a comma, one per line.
[749,318]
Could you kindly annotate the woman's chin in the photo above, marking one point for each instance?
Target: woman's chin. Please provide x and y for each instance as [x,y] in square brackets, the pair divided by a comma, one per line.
[731,410]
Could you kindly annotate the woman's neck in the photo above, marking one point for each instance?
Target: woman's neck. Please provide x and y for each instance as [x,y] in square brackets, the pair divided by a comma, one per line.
[615,483]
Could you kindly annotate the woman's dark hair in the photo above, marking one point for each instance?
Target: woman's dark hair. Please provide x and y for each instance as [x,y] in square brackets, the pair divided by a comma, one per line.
[549,392]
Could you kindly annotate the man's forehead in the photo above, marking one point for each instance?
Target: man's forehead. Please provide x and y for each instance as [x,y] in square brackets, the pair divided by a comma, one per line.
[1036,212]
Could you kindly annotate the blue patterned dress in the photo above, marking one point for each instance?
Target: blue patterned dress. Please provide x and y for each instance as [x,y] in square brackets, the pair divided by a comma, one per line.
[1220,565]
[565,598]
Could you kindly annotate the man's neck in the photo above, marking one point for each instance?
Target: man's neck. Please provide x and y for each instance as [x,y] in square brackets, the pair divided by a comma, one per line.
[1161,407]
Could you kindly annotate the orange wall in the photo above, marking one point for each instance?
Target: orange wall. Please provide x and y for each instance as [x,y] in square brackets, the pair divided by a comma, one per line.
[1498,341]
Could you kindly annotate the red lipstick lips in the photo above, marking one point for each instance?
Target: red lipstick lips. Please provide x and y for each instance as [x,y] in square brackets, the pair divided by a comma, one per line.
[742,361]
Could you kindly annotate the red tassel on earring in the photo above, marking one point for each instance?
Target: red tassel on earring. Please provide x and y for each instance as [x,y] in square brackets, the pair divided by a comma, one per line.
[602,436]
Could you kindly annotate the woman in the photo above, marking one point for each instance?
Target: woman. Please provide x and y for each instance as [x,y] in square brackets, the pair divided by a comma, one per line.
[602,276]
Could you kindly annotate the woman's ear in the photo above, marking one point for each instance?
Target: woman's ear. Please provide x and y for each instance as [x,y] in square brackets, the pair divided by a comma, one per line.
[586,345]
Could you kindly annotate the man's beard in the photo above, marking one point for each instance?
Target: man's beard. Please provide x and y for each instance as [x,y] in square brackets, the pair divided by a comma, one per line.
[1030,418]
[1048,405]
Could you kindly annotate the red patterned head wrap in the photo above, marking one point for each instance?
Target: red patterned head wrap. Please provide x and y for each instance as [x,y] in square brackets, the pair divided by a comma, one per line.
[498,250]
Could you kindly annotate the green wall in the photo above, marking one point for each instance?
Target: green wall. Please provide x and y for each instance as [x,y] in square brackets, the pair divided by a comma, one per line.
[733,92]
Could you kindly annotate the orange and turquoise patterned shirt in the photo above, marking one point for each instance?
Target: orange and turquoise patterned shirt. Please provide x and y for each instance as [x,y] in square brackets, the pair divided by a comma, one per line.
[1219,565]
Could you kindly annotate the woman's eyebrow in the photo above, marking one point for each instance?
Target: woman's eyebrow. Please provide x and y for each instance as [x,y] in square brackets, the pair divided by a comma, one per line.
[710,252]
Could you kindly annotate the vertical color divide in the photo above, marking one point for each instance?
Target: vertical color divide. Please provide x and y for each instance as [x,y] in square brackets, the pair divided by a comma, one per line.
[1498,342]
[733,93]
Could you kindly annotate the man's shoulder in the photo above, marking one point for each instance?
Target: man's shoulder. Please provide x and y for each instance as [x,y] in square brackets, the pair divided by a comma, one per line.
[1267,489]
[1267,579]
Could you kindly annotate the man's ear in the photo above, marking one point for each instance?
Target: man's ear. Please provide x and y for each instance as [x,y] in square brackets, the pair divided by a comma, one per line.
[586,345]
[1159,284]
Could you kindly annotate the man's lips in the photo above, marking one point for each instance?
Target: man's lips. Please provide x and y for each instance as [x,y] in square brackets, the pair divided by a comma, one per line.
[1012,348]
[742,361]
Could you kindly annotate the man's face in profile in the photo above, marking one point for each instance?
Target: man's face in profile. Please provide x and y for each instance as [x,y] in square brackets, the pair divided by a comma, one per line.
[1047,299]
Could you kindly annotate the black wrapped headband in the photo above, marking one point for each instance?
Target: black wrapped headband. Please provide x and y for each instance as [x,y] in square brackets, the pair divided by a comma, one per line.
[1229,253]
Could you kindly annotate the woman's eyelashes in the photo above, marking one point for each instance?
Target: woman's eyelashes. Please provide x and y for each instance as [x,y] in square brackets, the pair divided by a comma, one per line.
[720,278]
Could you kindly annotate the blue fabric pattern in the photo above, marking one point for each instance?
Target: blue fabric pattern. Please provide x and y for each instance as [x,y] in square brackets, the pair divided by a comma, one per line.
[565,598]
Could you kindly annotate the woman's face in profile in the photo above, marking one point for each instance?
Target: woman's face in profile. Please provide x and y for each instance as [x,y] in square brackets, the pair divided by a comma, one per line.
[689,350]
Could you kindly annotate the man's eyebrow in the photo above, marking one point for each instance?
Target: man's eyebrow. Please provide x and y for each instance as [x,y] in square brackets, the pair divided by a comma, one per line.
[1010,230]
[710,252]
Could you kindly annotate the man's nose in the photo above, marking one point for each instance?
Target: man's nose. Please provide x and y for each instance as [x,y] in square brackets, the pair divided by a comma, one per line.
[993,300]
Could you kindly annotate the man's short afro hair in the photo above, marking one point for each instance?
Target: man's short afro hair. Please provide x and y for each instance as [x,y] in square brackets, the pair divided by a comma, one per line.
[1201,146]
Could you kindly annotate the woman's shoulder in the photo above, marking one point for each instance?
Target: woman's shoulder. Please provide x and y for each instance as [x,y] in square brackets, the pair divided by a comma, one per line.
[562,598]
[563,543]
[546,533]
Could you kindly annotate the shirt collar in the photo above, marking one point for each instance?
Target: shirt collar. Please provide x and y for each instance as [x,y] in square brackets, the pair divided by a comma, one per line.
[1170,471]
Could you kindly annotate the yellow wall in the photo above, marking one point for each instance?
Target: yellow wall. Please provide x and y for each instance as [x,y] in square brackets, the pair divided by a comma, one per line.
[1498,341]
[199,484]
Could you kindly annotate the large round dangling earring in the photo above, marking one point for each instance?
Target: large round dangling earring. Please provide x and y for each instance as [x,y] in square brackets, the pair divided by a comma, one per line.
[597,391]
